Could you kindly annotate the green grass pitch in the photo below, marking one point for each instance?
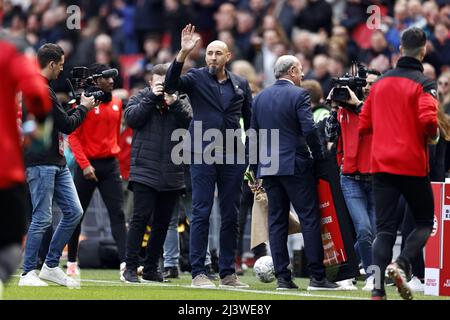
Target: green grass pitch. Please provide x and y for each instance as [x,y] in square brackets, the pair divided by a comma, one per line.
[105,285]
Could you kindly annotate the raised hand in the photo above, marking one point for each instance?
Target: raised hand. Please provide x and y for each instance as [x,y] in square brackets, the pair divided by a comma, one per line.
[188,39]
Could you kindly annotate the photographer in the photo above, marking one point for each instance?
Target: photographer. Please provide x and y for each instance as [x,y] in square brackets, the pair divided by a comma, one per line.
[353,156]
[49,179]
[95,145]
[154,179]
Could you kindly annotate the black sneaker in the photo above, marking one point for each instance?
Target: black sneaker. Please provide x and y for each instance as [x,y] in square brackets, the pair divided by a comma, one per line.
[210,273]
[171,273]
[284,284]
[130,276]
[324,284]
[378,294]
[153,276]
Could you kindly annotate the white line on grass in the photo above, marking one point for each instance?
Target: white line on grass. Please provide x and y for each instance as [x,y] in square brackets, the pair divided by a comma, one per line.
[155,284]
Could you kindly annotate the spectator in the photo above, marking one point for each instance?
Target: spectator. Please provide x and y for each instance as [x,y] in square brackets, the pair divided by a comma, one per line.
[265,59]
[227,37]
[416,17]
[245,23]
[225,18]
[441,44]
[316,15]
[444,91]
[429,71]
[149,19]
[321,73]
[352,49]
[378,46]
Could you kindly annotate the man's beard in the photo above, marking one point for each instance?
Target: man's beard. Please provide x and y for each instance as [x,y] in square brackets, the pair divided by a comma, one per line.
[212,70]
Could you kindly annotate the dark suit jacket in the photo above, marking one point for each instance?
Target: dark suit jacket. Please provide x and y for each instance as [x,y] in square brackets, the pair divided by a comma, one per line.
[285,107]
[202,89]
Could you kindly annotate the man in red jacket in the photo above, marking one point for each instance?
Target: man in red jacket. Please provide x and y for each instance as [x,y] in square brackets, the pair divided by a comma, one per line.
[95,145]
[18,74]
[401,113]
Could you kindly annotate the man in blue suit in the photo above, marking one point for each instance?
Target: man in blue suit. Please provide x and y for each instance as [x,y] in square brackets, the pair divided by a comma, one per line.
[286,108]
[218,98]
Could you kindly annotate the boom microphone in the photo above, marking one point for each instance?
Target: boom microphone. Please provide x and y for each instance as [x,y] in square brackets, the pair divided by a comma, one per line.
[110,73]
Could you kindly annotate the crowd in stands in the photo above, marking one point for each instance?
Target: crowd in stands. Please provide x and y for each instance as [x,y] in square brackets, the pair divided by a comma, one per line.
[326,36]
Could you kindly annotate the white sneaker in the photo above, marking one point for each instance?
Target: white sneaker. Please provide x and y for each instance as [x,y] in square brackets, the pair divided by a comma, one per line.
[31,279]
[416,285]
[73,270]
[369,284]
[122,268]
[347,285]
[140,271]
[57,276]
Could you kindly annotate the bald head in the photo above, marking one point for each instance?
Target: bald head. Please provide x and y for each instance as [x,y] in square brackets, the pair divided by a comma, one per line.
[217,44]
[217,56]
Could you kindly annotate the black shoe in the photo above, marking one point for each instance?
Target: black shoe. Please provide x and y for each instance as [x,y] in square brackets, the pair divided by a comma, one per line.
[171,273]
[210,273]
[153,276]
[130,276]
[284,284]
[378,294]
[324,284]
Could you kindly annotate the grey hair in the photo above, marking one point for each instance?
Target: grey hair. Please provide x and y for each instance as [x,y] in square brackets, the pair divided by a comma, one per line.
[283,64]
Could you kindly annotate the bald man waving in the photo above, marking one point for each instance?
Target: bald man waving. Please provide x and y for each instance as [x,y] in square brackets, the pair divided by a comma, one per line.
[219,99]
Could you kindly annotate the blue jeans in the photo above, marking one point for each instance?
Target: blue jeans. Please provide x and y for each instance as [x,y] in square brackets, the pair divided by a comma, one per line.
[172,243]
[47,183]
[359,199]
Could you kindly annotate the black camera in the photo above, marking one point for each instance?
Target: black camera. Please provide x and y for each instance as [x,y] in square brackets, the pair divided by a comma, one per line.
[356,81]
[84,81]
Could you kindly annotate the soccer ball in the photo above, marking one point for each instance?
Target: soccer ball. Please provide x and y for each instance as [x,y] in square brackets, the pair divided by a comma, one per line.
[264,269]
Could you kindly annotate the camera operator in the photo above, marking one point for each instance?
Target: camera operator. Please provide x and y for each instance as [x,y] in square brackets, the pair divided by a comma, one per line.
[95,145]
[353,156]
[49,179]
[154,179]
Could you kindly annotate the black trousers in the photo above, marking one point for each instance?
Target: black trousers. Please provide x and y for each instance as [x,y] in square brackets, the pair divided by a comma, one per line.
[13,210]
[418,195]
[110,186]
[407,226]
[300,189]
[156,207]
[246,206]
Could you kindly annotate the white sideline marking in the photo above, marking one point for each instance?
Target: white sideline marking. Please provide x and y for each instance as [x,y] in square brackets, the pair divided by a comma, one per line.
[155,284]
[226,289]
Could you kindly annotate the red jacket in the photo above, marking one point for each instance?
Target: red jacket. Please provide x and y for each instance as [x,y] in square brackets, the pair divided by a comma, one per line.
[99,134]
[124,156]
[401,112]
[18,73]
[356,149]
